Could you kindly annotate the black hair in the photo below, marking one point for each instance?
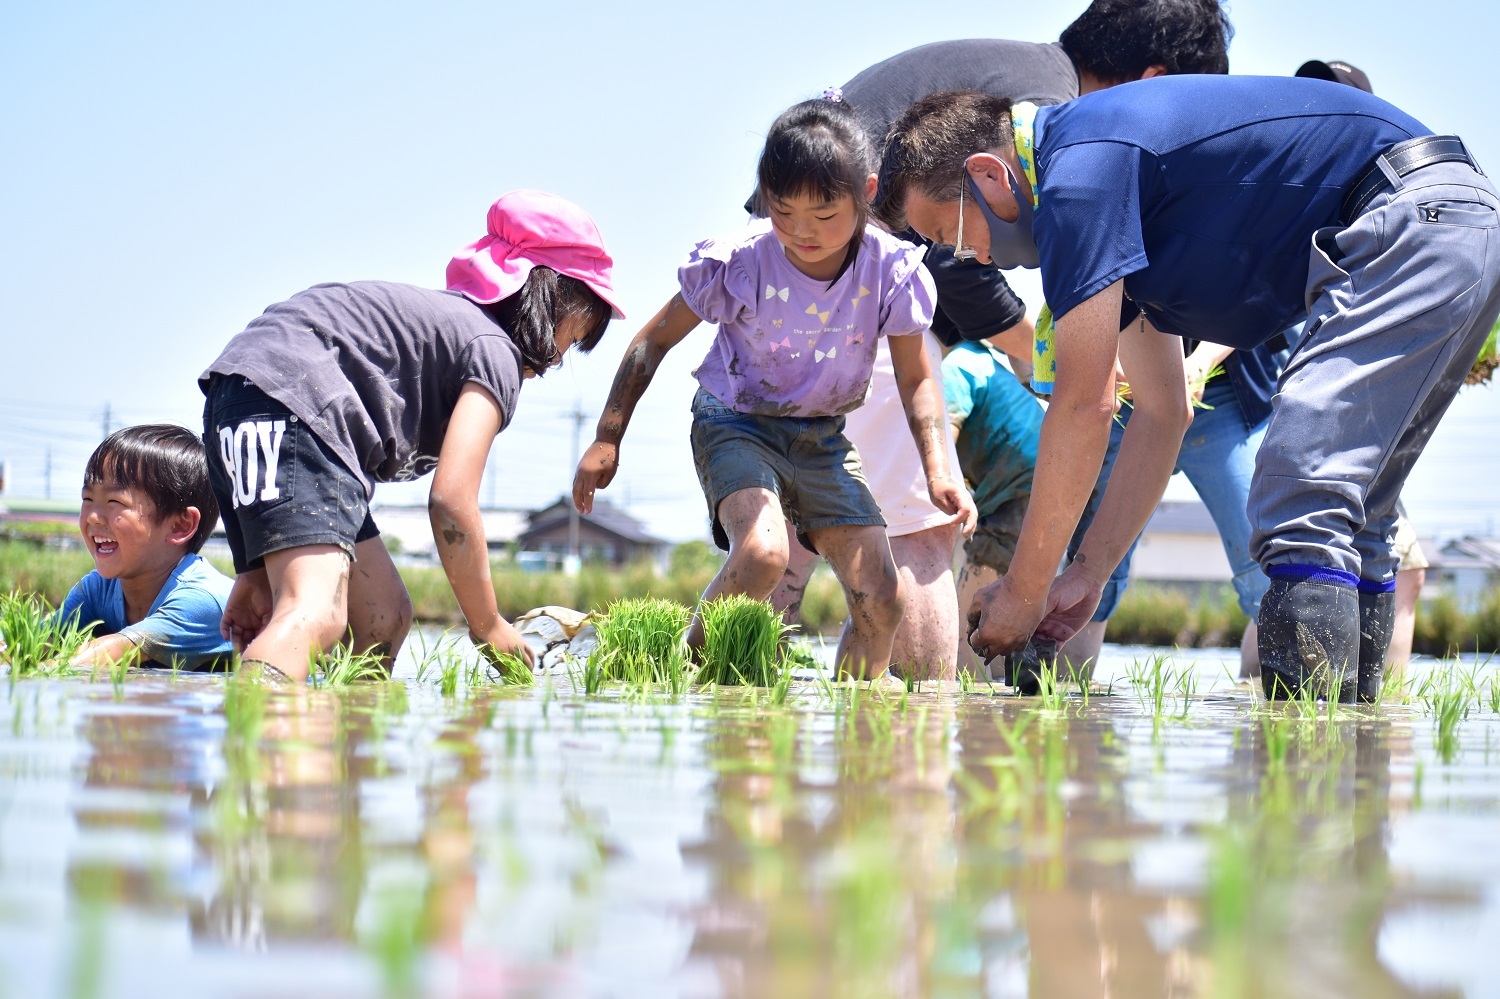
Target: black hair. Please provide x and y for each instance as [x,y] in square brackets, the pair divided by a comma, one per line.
[818,148]
[1118,40]
[926,148]
[165,462]
[530,317]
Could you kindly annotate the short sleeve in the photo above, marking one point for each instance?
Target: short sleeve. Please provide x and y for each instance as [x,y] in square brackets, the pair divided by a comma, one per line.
[911,298]
[960,385]
[1088,221]
[717,283]
[493,362]
[184,628]
[82,606]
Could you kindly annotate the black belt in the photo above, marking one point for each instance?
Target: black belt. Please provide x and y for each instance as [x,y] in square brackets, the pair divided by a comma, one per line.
[1401,159]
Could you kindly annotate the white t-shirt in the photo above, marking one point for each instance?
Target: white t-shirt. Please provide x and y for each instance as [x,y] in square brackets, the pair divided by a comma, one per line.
[892,466]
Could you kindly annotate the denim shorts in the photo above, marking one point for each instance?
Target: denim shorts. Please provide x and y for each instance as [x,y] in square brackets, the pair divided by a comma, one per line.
[994,542]
[806,461]
[278,485]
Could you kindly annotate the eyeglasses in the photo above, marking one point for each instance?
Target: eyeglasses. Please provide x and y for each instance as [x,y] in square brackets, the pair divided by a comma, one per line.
[960,251]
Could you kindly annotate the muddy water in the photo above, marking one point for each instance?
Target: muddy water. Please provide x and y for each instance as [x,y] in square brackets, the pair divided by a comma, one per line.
[190,836]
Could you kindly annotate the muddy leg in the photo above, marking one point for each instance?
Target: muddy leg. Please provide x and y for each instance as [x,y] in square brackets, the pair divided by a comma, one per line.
[787,597]
[379,606]
[757,551]
[861,558]
[310,601]
[926,643]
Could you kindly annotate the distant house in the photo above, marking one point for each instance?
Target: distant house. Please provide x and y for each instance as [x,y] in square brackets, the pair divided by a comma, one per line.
[1466,568]
[608,534]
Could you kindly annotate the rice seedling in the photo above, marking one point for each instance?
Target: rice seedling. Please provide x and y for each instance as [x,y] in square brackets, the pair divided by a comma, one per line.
[344,667]
[593,677]
[741,641]
[1052,692]
[1449,706]
[511,669]
[641,638]
[36,639]
[1150,679]
[783,685]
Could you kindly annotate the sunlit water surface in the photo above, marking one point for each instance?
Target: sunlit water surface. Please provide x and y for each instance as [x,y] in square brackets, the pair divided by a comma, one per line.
[191,836]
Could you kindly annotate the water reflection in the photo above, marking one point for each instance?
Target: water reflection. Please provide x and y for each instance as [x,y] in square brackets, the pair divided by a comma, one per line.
[387,839]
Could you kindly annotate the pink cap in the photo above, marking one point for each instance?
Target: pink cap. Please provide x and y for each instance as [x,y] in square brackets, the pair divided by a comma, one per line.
[527,228]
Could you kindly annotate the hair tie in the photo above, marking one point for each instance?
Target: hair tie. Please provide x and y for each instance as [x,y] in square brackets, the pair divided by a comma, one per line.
[835,94]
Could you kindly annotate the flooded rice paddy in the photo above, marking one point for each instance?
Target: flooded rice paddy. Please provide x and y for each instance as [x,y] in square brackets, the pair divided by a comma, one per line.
[1165,835]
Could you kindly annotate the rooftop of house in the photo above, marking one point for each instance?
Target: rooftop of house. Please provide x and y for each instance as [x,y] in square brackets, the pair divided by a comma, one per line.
[605,515]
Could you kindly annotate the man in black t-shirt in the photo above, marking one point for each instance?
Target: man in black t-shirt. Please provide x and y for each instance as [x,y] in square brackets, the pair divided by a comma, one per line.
[1113,41]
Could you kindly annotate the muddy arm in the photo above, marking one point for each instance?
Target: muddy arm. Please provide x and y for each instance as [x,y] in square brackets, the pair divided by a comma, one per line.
[664,331]
[457,528]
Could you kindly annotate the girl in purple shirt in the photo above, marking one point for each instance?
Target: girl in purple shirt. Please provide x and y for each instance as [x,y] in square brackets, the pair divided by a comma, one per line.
[799,299]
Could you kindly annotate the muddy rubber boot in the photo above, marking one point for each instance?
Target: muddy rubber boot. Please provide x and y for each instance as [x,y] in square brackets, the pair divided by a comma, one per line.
[1309,637]
[1023,670]
[1377,618]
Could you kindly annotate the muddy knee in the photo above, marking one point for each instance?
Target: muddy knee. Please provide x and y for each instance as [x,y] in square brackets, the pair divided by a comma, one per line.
[756,565]
[879,603]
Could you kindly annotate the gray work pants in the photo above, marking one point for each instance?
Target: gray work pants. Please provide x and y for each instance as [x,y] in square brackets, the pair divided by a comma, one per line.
[1399,304]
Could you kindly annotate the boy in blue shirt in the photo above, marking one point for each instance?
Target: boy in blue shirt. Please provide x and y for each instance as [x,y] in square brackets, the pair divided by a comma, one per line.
[996,423]
[147,510]
[1223,209]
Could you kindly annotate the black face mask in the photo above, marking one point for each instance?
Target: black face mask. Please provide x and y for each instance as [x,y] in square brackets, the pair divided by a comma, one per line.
[1011,243]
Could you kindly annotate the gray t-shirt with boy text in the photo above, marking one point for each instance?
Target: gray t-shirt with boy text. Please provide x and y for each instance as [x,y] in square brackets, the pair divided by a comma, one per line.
[375,369]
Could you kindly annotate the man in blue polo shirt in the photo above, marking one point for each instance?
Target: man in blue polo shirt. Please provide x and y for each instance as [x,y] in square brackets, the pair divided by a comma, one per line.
[1223,209]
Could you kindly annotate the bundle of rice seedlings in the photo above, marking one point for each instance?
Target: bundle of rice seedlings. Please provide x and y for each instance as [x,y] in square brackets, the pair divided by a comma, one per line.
[1488,360]
[640,640]
[741,642]
[35,639]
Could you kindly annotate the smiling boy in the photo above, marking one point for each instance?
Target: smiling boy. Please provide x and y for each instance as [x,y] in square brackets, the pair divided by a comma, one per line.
[147,510]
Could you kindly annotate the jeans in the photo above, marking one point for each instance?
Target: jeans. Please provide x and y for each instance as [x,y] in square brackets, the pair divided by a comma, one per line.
[1218,458]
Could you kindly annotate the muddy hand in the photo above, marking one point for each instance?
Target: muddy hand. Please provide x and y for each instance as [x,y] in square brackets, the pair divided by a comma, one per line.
[248,609]
[504,640]
[949,495]
[1000,621]
[1070,603]
[595,471]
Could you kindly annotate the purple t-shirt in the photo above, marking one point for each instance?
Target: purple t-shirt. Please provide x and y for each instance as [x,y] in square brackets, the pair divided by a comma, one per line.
[790,345]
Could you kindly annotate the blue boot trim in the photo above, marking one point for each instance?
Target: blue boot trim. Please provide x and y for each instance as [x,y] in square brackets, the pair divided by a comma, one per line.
[1313,573]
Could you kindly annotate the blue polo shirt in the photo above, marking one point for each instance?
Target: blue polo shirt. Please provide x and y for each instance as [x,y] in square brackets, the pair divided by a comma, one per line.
[1203,193]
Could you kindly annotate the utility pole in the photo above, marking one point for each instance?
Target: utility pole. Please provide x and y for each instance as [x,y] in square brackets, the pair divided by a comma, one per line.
[107,422]
[47,475]
[574,561]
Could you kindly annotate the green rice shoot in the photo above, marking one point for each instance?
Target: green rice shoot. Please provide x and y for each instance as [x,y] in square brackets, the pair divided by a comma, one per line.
[640,639]
[36,640]
[512,669]
[741,642]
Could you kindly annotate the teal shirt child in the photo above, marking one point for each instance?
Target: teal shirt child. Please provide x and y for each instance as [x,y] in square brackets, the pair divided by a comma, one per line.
[996,424]
[182,627]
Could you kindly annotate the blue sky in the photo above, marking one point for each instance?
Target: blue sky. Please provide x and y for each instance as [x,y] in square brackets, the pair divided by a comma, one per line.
[170,169]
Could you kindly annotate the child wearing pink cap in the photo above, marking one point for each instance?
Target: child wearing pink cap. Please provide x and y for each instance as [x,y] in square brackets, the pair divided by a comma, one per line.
[800,300]
[346,385]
